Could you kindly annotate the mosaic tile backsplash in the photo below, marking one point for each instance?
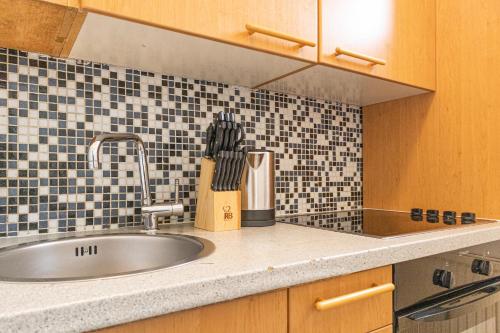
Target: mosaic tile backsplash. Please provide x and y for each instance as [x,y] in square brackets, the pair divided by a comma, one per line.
[51,108]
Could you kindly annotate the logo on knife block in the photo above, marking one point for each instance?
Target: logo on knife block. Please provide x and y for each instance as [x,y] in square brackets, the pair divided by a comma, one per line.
[228,215]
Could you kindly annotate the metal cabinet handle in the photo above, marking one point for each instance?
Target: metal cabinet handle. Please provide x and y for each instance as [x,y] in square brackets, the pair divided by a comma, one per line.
[269,32]
[334,302]
[454,303]
[372,60]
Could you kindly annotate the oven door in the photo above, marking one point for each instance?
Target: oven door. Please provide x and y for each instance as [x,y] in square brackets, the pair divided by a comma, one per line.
[469,308]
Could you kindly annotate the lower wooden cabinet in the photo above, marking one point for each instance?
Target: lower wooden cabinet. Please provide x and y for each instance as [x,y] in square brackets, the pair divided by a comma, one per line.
[359,302]
[352,303]
[254,314]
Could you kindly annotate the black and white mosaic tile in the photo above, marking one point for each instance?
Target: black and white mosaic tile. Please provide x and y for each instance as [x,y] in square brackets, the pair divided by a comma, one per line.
[51,108]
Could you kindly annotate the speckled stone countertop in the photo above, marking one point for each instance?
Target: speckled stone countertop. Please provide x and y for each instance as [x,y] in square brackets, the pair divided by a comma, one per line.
[245,262]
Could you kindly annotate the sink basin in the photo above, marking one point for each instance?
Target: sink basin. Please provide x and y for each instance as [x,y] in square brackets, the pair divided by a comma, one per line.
[98,256]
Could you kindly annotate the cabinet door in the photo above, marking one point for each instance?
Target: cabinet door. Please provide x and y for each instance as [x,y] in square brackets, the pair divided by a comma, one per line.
[402,33]
[40,26]
[254,314]
[233,21]
[357,307]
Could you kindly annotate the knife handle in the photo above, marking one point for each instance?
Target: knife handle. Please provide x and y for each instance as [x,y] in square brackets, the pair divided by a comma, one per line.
[241,167]
[219,137]
[210,133]
[227,130]
[232,137]
[220,116]
[217,171]
[224,170]
[226,182]
[240,136]
[234,170]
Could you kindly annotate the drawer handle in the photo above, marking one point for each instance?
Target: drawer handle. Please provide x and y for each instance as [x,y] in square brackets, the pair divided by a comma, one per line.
[265,31]
[331,303]
[372,60]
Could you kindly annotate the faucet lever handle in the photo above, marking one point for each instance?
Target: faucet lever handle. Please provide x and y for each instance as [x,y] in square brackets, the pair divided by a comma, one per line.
[176,190]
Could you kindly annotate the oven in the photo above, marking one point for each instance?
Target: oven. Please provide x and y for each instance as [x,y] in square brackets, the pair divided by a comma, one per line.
[452,292]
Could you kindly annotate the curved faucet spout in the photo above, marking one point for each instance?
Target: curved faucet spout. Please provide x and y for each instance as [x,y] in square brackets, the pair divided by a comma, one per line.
[93,154]
[94,160]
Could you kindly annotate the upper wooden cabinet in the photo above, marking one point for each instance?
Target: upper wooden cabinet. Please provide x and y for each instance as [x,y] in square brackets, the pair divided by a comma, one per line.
[400,32]
[282,27]
[278,45]
[48,27]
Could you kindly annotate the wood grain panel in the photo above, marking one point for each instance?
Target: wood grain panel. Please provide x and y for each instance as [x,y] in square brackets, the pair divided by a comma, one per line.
[254,314]
[440,150]
[37,26]
[386,329]
[211,205]
[402,32]
[360,316]
[70,3]
[73,32]
[225,20]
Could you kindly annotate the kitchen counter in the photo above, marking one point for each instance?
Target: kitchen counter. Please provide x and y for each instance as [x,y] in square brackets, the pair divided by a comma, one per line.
[245,262]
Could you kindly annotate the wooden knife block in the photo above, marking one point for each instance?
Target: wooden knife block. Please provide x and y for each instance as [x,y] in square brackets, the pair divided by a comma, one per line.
[216,211]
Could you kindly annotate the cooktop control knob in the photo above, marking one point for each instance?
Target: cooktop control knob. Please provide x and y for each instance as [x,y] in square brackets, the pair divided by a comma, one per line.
[449,217]
[417,214]
[443,278]
[432,215]
[482,267]
[468,218]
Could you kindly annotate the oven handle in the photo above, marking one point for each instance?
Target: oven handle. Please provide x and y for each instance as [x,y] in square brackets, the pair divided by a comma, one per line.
[453,304]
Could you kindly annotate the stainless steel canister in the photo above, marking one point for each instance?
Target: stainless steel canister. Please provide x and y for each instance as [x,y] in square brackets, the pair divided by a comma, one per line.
[257,189]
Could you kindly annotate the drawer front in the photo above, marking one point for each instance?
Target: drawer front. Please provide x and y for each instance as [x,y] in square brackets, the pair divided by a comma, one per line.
[360,302]
[253,314]
[266,25]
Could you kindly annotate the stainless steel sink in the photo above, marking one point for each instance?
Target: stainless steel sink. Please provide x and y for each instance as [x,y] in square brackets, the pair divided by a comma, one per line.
[98,256]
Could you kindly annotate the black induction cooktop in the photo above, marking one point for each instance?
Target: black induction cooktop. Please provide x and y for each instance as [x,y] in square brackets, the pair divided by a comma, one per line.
[379,223]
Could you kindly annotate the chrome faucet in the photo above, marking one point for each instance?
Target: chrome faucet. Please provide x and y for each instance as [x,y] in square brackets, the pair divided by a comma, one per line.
[150,211]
